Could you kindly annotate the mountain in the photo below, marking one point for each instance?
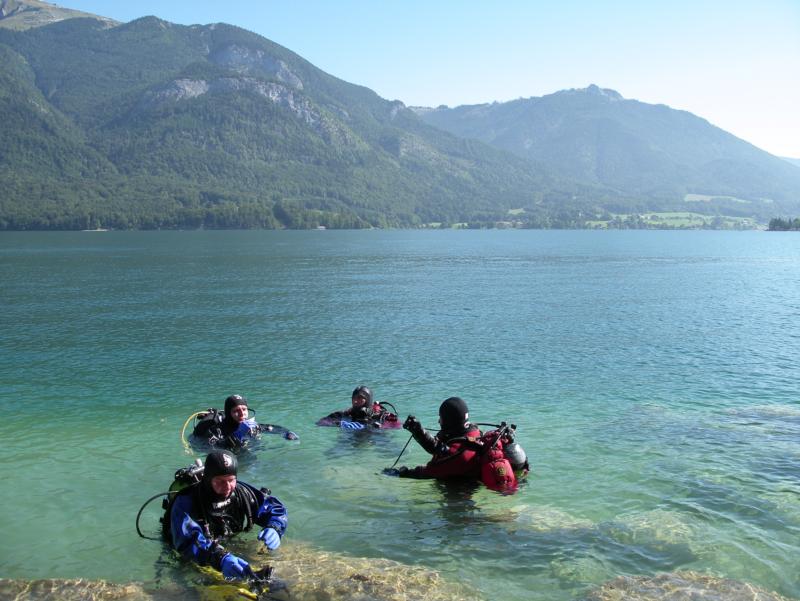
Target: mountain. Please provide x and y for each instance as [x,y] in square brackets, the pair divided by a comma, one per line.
[795,162]
[25,14]
[154,125]
[149,124]
[651,152]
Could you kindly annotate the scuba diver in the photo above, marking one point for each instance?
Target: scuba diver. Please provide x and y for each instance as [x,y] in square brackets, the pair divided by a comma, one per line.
[232,428]
[214,506]
[460,450]
[364,412]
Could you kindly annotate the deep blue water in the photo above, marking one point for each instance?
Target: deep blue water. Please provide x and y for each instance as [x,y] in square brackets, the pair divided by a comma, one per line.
[653,377]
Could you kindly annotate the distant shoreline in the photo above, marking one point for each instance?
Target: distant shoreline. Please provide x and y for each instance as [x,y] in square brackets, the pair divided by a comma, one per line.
[759,228]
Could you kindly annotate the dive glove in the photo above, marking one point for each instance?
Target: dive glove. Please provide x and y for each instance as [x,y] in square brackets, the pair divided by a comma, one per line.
[235,568]
[395,471]
[348,425]
[412,424]
[270,538]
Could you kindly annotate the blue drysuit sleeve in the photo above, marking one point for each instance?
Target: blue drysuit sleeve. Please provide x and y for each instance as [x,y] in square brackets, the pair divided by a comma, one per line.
[188,537]
[271,514]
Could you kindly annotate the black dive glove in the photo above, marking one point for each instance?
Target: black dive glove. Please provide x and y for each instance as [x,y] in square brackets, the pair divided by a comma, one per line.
[396,471]
[413,425]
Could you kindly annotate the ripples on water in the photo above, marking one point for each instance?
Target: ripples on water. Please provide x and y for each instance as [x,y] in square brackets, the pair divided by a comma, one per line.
[652,375]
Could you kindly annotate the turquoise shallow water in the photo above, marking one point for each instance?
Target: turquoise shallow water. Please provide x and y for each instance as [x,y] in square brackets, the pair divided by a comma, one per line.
[653,377]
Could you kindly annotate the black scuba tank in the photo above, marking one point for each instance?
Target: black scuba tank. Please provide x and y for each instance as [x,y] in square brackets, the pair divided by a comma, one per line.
[184,478]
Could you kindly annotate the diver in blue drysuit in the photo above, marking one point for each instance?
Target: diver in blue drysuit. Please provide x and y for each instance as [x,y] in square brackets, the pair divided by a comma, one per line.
[202,516]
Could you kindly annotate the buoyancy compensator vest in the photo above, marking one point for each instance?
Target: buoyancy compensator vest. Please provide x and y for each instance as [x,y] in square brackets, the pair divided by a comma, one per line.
[185,478]
[502,459]
[209,420]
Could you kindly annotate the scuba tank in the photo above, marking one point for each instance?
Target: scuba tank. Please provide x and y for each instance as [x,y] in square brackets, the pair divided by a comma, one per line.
[184,478]
[517,458]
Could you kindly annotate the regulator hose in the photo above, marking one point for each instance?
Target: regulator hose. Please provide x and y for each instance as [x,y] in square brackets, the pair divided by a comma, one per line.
[141,509]
[183,431]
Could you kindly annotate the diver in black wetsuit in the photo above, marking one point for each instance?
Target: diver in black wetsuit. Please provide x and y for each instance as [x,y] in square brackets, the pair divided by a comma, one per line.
[364,412]
[233,428]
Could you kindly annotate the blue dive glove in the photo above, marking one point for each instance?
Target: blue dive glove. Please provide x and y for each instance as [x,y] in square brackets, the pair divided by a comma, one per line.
[348,425]
[270,537]
[235,568]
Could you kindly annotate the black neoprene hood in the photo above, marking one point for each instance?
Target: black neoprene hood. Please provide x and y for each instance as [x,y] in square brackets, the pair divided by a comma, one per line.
[220,463]
[453,413]
[233,401]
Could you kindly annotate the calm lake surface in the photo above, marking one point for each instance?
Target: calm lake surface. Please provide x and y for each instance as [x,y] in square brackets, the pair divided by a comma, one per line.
[654,378]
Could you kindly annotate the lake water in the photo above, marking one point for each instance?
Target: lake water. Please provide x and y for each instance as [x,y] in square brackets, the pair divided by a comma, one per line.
[654,378]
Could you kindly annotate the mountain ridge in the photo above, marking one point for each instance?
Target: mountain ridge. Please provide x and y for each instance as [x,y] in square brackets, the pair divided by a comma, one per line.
[589,133]
[27,14]
[210,119]
[150,124]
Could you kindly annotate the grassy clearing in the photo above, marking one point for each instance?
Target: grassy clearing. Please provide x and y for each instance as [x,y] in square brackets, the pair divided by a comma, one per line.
[675,220]
[709,198]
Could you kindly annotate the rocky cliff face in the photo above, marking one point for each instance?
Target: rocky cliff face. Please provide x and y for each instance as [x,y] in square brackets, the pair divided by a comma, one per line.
[248,60]
[185,89]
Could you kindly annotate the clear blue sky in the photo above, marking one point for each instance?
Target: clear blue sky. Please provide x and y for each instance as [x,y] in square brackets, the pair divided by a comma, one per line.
[735,63]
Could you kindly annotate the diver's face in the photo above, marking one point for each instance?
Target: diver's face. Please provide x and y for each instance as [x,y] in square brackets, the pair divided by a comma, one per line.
[359,402]
[239,413]
[223,485]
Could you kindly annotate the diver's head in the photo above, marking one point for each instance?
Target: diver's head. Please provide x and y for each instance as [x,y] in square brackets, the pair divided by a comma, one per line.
[219,474]
[453,416]
[361,401]
[236,408]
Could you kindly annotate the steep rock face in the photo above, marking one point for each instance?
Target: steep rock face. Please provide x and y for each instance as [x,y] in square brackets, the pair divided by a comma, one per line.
[248,60]
[185,89]
[174,91]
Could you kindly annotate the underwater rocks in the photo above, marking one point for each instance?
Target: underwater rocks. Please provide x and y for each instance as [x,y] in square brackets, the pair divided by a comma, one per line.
[70,590]
[302,573]
[680,586]
[311,575]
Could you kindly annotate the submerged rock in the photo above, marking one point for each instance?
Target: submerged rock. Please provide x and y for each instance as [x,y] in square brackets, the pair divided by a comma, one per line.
[311,575]
[302,574]
[70,590]
[542,518]
[680,586]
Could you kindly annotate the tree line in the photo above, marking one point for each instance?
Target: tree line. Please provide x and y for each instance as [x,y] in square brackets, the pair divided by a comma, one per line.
[776,224]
